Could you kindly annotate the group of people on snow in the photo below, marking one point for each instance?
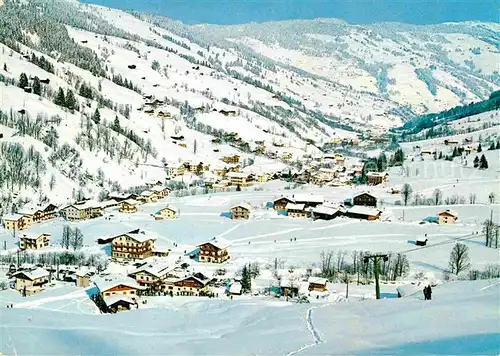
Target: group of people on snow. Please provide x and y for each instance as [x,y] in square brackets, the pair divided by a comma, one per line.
[427,292]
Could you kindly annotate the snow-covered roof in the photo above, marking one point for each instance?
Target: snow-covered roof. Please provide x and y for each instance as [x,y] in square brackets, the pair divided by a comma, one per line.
[317,280]
[118,298]
[292,206]
[243,205]
[35,274]
[27,211]
[171,208]
[28,236]
[309,198]
[235,288]
[449,212]
[157,269]
[147,193]
[421,239]
[108,202]
[140,236]
[108,282]
[131,202]
[284,197]
[14,217]
[219,242]
[363,193]
[409,289]
[237,175]
[364,210]
[377,174]
[158,189]
[82,272]
[323,209]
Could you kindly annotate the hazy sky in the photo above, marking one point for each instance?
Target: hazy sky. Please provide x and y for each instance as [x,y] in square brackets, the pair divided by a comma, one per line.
[353,11]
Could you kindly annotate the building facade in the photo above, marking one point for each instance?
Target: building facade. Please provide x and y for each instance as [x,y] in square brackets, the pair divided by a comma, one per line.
[34,242]
[240,212]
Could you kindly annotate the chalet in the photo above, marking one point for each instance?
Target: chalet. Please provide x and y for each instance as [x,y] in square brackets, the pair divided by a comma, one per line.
[149,111]
[450,142]
[110,203]
[177,137]
[134,245]
[45,81]
[240,179]
[169,212]
[192,286]
[132,66]
[263,177]
[83,277]
[364,199]
[117,303]
[28,89]
[376,178]
[286,156]
[323,212]
[165,115]
[447,217]
[296,210]
[121,197]
[81,211]
[46,212]
[34,242]
[147,97]
[289,287]
[309,200]
[363,212]
[31,282]
[317,284]
[117,285]
[153,275]
[174,170]
[280,203]
[214,251]
[148,196]
[15,222]
[154,183]
[240,212]
[161,192]
[228,112]
[129,206]
[231,159]
[426,153]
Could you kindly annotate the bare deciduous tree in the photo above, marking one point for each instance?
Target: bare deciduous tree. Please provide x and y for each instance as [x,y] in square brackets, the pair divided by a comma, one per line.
[406,193]
[459,258]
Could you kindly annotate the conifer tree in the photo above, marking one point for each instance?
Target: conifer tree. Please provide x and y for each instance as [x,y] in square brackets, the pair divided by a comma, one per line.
[70,100]
[23,80]
[37,88]
[60,99]
[97,116]
[476,162]
[483,163]
[479,148]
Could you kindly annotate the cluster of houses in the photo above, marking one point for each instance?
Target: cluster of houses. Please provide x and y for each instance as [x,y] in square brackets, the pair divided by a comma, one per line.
[361,206]
[25,218]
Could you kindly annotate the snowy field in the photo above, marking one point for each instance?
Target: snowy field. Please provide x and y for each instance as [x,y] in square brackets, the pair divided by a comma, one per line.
[461,319]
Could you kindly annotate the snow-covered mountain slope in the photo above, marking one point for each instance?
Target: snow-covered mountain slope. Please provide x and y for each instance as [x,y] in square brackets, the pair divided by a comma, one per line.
[461,318]
[153,80]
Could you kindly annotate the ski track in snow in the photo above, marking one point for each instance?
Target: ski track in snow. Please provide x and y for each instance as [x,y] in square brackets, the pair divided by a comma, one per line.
[266,235]
[314,332]
[490,286]
[230,230]
[38,302]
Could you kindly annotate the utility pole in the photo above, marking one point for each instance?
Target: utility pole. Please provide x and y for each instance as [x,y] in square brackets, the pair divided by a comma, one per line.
[376,266]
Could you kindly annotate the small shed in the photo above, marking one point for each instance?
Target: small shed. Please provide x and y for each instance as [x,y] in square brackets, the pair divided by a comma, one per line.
[82,278]
[421,241]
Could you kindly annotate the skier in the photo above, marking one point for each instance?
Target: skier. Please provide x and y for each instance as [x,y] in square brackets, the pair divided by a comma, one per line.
[426,295]
[429,292]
